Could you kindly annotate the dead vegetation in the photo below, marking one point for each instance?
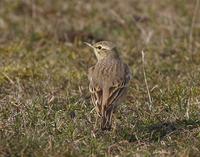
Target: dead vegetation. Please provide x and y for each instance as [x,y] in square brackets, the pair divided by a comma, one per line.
[44,99]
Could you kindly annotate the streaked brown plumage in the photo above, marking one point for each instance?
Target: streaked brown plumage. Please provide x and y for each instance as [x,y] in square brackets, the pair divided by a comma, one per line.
[109,79]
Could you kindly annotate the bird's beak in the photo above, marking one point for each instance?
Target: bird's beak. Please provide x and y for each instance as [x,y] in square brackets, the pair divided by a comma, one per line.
[88,44]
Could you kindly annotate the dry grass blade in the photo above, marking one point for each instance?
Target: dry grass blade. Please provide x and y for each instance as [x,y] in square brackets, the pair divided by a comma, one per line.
[145,80]
[195,15]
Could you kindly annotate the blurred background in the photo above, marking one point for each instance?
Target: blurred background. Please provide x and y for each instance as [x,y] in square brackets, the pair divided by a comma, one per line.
[151,22]
[45,105]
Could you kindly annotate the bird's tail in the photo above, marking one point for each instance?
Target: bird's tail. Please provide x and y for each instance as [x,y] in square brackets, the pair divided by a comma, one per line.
[106,121]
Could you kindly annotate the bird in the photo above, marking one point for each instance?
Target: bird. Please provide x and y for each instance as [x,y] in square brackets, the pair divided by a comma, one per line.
[108,81]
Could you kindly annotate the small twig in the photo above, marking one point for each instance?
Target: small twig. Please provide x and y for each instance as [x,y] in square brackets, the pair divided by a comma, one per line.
[92,110]
[187,107]
[145,79]
[187,116]
[33,8]
[192,26]
[8,78]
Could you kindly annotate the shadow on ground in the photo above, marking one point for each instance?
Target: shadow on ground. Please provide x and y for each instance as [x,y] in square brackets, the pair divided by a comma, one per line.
[158,131]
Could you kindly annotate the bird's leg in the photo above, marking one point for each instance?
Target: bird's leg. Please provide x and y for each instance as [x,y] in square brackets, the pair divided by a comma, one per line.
[95,128]
[114,123]
[96,122]
[112,118]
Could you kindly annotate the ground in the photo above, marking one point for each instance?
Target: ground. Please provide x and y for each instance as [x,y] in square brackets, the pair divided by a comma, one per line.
[45,107]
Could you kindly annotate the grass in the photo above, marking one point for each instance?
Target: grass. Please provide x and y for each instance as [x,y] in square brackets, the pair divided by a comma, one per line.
[45,107]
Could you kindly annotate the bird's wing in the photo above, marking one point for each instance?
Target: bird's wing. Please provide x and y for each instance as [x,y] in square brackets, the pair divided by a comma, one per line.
[118,89]
[114,93]
[112,96]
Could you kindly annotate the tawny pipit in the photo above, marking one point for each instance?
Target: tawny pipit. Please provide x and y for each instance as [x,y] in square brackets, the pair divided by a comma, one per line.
[109,79]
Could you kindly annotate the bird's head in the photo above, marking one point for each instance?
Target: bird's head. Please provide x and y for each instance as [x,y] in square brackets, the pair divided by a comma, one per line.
[103,49]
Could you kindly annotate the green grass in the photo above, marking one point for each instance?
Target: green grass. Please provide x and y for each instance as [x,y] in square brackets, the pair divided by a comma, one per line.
[45,107]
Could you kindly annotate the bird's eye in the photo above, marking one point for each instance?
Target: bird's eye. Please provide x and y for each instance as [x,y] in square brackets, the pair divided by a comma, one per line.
[99,47]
